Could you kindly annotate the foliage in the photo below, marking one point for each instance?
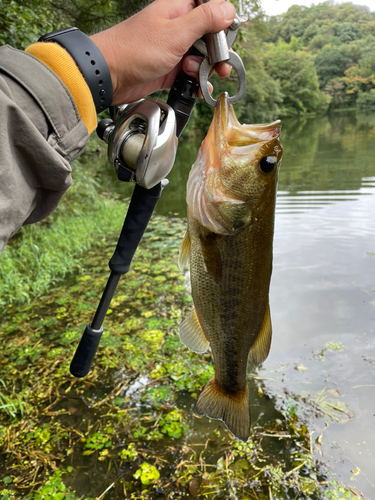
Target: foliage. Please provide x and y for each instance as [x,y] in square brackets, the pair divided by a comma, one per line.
[340,39]
[22,23]
[330,63]
[89,17]
[54,488]
[366,101]
[147,473]
[295,71]
[127,8]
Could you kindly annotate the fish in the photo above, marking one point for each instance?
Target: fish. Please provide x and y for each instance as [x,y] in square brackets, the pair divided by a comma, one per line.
[231,198]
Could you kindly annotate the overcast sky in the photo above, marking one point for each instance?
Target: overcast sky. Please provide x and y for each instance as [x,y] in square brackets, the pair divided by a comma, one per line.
[276,7]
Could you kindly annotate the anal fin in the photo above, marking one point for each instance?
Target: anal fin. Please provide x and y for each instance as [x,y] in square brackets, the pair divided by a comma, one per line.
[261,347]
[233,410]
[191,334]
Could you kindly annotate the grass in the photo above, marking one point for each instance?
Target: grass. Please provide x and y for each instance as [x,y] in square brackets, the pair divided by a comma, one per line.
[43,254]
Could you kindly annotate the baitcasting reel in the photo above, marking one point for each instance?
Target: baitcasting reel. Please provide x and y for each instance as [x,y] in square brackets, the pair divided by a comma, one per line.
[142,141]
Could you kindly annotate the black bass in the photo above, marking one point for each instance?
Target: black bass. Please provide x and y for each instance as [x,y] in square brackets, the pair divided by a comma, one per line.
[231,197]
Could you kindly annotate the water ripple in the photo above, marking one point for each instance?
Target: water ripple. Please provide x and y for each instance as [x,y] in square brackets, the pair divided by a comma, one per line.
[302,201]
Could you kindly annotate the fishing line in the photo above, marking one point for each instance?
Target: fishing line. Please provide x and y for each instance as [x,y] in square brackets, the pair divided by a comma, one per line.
[158,97]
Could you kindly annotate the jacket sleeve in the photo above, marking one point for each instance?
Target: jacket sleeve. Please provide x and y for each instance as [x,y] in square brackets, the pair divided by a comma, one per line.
[40,134]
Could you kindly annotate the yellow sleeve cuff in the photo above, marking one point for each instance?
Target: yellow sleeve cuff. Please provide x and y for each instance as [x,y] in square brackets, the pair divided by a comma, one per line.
[60,62]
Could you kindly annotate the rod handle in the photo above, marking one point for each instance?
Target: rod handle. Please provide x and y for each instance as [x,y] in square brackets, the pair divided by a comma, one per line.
[140,210]
[85,353]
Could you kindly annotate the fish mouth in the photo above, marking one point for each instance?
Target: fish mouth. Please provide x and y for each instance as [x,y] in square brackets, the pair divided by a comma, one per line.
[236,134]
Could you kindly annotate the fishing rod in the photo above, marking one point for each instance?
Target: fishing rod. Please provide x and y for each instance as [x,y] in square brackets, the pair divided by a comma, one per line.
[142,143]
[142,140]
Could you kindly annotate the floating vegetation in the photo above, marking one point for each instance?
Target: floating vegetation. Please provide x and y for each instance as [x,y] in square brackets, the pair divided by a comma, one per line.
[329,347]
[128,430]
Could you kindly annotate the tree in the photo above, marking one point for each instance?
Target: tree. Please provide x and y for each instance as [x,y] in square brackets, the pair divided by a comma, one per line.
[89,17]
[127,8]
[296,74]
[366,101]
[335,89]
[330,63]
[348,32]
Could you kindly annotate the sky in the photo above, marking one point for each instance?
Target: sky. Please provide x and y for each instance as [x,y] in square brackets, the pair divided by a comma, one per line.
[276,7]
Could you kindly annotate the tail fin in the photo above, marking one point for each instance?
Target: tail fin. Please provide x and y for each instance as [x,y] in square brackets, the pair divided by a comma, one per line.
[233,410]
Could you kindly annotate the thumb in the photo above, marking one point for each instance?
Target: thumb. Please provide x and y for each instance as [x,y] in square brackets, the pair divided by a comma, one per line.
[210,17]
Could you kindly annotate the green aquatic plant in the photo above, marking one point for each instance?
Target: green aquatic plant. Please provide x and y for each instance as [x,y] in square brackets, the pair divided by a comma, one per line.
[11,404]
[7,494]
[334,346]
[147,474]
[53,488]
[129,454]
[339,492]
[98,441]
[173,424]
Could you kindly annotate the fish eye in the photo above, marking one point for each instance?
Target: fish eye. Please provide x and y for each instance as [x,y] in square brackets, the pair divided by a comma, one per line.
[267,164]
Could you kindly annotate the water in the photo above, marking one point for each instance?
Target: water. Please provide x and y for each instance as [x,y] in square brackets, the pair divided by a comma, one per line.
[323,286]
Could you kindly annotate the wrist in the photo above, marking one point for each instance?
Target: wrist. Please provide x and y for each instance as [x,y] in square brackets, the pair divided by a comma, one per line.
[90,62]
[107,49]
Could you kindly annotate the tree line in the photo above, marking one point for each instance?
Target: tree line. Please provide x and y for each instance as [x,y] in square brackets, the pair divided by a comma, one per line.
[308,60]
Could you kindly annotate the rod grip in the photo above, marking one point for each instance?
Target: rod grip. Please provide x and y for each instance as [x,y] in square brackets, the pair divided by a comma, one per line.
[139,213]
[85,353]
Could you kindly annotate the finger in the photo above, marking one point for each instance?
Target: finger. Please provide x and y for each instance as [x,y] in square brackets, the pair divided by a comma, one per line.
[223,69]
[210,90]
[175,8]
[191,65]
[210,17]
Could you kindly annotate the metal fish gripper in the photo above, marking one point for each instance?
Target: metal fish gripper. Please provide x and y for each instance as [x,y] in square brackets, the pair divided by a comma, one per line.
[216,49]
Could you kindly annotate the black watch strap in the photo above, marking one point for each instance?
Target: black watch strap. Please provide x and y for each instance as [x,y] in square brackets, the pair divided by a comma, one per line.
[90,61]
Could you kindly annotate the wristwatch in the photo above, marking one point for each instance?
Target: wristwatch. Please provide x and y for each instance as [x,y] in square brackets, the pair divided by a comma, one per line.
[89,60]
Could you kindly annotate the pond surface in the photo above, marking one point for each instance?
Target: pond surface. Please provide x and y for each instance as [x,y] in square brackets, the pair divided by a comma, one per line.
[323,285]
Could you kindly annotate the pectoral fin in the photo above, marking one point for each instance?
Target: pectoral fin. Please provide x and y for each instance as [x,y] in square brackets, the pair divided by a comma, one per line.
[191,334]
[261,347]
[184,256]
[211,255]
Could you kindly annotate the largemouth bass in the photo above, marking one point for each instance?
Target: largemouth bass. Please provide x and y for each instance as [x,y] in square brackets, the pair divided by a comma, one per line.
[231,196]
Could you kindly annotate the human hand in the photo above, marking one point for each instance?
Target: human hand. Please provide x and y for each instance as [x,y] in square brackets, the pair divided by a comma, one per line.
[146,52]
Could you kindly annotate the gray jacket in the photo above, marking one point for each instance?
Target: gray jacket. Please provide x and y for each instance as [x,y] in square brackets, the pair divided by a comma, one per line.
[40,134]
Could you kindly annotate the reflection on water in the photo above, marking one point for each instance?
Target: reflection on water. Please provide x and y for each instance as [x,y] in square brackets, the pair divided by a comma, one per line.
[309,200]
[323,285]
